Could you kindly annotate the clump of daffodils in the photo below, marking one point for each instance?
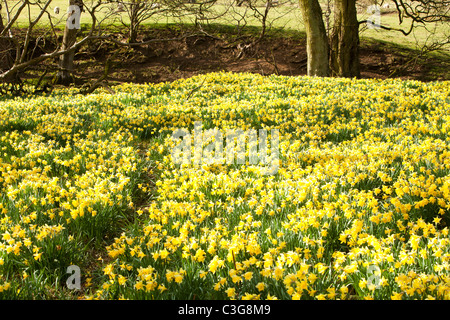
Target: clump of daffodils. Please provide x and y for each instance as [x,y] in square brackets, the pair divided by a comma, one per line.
[358,208]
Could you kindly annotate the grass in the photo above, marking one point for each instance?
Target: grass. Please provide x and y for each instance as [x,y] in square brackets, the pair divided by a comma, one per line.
[284,17]
[419,36]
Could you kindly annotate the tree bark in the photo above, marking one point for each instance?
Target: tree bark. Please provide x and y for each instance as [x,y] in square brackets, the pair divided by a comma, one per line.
[66,65]
[1,19]
[6,57]
[3,54]
[316,39]
[134,10]
[344,55]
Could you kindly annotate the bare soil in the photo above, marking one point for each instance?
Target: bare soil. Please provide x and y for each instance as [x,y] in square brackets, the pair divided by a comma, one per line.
[197,54]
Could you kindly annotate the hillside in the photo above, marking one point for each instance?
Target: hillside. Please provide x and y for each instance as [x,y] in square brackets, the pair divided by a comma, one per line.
[354,206]
[279,53]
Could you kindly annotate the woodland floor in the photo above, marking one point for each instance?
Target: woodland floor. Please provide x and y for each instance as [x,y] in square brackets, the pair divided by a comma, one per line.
[274,54]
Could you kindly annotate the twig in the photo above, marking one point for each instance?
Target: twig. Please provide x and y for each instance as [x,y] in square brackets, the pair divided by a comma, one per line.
[235,268]
[195,89]
[99,81]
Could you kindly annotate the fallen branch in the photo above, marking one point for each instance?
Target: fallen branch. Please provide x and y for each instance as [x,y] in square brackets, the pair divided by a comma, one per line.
[135,44]
[34,61]
[101,81]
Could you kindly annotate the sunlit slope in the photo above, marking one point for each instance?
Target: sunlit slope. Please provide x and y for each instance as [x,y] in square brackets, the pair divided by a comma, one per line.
[357,208]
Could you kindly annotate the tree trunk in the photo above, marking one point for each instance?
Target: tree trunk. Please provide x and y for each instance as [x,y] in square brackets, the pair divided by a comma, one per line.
[135,7]
[3,46]
[70,35]
[7,52]
[1,19]
[316,39]
[344,56]
[132,36]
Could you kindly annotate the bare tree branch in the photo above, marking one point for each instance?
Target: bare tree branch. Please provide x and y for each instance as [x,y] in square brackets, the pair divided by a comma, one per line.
[424,11]
[13,20]
[389,28]
[43,57]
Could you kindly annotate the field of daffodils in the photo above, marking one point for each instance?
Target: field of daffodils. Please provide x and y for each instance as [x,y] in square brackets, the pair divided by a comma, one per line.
[358,208]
